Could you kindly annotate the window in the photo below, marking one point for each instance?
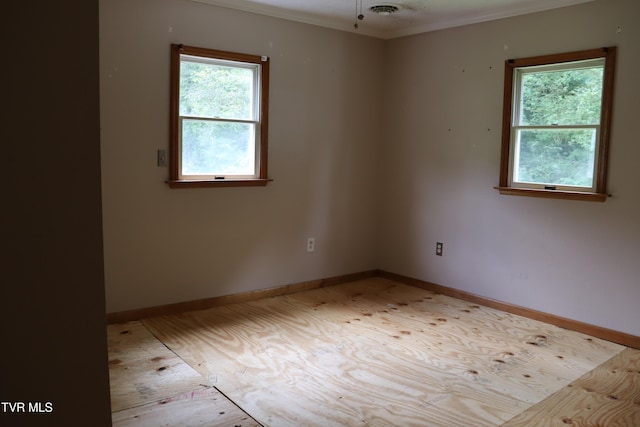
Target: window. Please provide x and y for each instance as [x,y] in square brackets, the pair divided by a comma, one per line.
[218,118]
[556,121]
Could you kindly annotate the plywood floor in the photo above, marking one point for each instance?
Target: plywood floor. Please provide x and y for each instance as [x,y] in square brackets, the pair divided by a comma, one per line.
[151,386]
[368,353]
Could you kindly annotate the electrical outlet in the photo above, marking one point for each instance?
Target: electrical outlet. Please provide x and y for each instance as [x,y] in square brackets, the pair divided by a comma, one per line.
[162,157]
[439,248]
[311,244]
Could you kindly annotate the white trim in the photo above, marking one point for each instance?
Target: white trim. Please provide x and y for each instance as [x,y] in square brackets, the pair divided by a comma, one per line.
[514,143]
[254,121]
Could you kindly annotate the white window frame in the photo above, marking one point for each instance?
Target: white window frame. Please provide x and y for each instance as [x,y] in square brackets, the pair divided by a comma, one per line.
[516,126]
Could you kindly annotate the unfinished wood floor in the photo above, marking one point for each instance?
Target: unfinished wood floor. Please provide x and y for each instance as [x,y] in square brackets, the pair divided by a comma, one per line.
[151,386]
[367,353]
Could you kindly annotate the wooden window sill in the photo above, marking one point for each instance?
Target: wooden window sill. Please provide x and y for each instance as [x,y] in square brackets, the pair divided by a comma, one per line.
[553,194]
[219,183]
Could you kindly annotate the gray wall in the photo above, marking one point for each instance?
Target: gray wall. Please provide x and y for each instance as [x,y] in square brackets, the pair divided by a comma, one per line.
[378,149]
[165,245]
[574,259]
[52,305]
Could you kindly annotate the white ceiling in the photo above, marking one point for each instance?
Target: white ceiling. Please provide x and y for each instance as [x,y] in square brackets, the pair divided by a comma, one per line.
[413,17]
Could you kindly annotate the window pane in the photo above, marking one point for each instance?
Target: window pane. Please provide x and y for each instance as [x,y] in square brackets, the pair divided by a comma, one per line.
[217,148]
[210,90]
[567,97]
[555,156]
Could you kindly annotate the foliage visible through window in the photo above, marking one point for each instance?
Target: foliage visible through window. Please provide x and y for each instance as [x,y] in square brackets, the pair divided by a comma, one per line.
[557,116]
[218,117]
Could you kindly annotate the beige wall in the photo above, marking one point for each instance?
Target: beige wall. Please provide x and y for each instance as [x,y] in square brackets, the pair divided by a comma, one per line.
[163,245]
[378,149]
[579,260]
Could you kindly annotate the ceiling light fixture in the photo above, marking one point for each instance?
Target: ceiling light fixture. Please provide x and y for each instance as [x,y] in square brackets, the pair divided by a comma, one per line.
[359,16]
[384,9]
